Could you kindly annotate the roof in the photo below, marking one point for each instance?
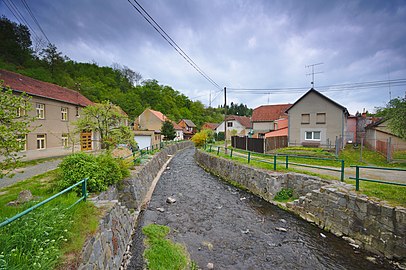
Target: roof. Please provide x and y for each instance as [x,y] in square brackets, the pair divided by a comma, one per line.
[267,113]
[278,132]
[210,125]
[176,126]
[189,123]
[312,90]
[243,120]
[21,83]
[160,115]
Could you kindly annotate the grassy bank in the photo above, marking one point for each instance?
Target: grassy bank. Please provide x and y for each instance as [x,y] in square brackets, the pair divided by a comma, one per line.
[49,237]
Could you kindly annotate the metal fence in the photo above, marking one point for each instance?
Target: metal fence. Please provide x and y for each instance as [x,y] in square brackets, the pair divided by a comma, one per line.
[357,177]
[274,160]
[82,198]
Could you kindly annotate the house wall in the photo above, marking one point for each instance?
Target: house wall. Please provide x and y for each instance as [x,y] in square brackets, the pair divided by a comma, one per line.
[380,133]
[241,130]
[351,134]
[263,126]
[148,121]
[313,104]
[52,126]
[179,135]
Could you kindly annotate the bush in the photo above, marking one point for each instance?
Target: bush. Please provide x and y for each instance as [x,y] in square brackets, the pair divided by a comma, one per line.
[101,171]
[284,195]
[199,138]
[219,136]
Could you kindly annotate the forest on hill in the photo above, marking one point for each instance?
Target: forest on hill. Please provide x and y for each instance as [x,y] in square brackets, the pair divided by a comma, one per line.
[119,84]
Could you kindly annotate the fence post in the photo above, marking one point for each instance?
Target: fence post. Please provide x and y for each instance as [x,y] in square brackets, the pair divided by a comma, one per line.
[362,146]
[84,187]
[287,162]
[388,149]
[342,170]
[218,150]
[337,146]
[210,148]
[231,153]
[249,157]
[274,162]
[356,178]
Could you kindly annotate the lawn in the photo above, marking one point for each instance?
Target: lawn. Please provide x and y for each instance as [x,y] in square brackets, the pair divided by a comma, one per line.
[49,237]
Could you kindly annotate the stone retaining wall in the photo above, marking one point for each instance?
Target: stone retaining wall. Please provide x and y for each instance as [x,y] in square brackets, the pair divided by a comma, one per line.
[332,205]
[121,205]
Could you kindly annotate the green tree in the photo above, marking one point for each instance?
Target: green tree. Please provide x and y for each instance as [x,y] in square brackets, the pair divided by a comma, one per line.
[395,112]
[14,125]
[53,59]
[107,120]
[168,130]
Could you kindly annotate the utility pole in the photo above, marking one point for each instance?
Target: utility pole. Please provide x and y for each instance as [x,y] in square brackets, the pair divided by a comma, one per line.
[210,99]
[225,122]
[312,73]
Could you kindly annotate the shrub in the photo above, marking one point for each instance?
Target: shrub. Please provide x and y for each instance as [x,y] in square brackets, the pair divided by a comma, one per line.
[199,138]
[101,171]
[284,195]
[219,136]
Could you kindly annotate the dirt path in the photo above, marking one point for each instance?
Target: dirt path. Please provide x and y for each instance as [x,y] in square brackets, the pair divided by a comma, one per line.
[232,229]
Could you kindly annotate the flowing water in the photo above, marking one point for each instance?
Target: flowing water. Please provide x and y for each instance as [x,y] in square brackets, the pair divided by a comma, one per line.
[233,229]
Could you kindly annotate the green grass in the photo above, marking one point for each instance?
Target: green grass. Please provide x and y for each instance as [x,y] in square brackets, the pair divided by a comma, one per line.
[400,155]
[394,195]
[48,237]
[306,151]
[162,253]
[285,195]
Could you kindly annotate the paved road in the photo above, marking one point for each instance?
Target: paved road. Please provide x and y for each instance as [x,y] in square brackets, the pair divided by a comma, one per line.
[235,230]
[28,172]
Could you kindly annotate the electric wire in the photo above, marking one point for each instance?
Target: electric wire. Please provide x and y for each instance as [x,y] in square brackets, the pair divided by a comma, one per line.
[35,19]
[172,43]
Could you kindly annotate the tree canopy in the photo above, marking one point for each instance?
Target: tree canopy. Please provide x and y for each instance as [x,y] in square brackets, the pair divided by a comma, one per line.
[395,112]
[168,131]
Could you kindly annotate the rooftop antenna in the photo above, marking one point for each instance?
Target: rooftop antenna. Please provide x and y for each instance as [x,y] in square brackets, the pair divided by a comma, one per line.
[312,73]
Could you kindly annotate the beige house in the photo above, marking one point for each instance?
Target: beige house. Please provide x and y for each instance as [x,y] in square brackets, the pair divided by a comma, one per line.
[316,120]
[236,125]
[55,109]
[147,128]
[378,135]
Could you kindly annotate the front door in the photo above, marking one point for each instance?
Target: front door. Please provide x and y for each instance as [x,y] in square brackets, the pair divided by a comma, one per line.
[86,141]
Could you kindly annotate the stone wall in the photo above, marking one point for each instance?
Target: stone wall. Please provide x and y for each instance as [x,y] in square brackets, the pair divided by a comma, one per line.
[121,205]
[334,206]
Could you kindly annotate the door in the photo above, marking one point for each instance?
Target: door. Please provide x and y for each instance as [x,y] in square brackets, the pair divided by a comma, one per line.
[86,141]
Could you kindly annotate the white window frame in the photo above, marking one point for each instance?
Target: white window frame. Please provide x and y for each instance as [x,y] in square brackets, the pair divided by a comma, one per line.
[40,109]
[22,139]
[229,124]
[64,113]
[41,141]
[312,136]
[65,140]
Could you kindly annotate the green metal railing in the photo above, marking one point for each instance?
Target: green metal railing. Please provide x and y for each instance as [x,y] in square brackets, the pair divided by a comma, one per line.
[273,159]
[357,177]
[83,198]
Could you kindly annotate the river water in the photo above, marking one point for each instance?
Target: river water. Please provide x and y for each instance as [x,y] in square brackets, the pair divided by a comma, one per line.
[233,229]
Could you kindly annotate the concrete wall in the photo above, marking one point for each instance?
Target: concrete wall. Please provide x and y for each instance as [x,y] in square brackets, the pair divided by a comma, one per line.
[106,249]
[332,205]
[313,104]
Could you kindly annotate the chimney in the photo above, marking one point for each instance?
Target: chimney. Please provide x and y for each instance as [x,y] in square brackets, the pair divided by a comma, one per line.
[364,114]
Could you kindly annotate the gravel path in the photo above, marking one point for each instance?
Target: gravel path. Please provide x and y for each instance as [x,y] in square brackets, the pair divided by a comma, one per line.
[232,229]
[28,172]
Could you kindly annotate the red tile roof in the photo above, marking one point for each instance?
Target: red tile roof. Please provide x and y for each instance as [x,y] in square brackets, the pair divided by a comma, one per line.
[212,126]
[244,120]
[160,115]
[21,83]
[31,86]
[267,113]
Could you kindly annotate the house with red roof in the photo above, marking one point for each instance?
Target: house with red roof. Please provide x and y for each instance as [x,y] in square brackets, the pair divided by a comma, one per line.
[147,128]
[236,125]
[189,128]
[55,109]
[269,118]
[211,126]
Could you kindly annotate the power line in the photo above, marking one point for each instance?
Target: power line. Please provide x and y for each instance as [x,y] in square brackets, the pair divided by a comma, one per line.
[171,42]
[35,19]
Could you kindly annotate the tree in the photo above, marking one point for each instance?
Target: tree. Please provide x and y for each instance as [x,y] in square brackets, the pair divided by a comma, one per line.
[395,112]
[52,58]
[107,120]
[168,130]
[14,125]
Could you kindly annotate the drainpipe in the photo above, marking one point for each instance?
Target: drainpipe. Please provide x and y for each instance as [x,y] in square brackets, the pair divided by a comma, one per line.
[288,130]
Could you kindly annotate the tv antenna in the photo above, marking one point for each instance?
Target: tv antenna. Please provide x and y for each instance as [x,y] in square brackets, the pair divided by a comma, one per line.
[313,73]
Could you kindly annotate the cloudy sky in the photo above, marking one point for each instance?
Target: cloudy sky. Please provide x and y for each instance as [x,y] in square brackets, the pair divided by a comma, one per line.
[251,44]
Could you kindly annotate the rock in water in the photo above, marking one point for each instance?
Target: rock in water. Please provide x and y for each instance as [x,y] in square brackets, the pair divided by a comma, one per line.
[281,229]
[171,200]
[160,209]
[210,266]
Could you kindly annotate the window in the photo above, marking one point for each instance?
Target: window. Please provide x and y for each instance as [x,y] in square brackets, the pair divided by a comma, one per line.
[22,140]
[20,112]
[40,111]
[65,141]
[64,114]
[305,118]
[320,118]
[77,111]
[41,141]
[229,124]
[312,135]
